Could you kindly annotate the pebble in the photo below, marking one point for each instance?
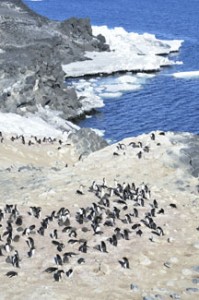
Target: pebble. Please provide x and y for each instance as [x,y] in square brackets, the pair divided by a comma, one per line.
[167,264]
[175,296]
[186,272]
[196,268]
[192,290]
[173,260]
[134,287]
[170,240]
[145,261]
[153,297]
[196,245]
[195,280]
[170,283]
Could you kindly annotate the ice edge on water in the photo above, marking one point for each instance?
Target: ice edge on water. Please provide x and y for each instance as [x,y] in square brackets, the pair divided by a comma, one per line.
[131,51]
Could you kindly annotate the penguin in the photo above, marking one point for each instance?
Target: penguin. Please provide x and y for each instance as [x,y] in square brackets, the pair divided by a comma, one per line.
[54,234]
[7,246]
[69,273]
[121,146]
[31,252]
[35,211]
[159,230]
[73,233]
[57,276]
[153,212]
[30,242]
[116,154]
[81,260]
[146,149]
[135,212]
[128,219]
[161,211]
[152,136]
[139,232]
[58,260]
[65,258]
[59,245]
[70,254]
[135,226]
[113,240]
[41,230]
[109,223]
[83,248]
[104,184]
[11,274]
[173,205]
[19,221]
[126,234]
[155,203]
[15,259]
[51,269]
[118,233]
[124,263]
[80,190]
[93,187]
[103,247]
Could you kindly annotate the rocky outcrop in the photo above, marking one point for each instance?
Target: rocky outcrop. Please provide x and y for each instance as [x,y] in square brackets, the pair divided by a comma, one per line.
[86,141]
[32,50]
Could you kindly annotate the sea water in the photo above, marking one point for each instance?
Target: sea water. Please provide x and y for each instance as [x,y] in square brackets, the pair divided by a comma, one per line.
[163,102]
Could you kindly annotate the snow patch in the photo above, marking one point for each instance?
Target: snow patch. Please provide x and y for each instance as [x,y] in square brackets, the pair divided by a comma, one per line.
[129,52]
[189,74]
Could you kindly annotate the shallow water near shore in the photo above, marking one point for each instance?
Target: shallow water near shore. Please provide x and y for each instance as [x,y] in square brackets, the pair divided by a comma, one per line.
[163,102]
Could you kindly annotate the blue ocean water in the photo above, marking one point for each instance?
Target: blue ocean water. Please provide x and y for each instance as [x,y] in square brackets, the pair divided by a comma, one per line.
[165,102]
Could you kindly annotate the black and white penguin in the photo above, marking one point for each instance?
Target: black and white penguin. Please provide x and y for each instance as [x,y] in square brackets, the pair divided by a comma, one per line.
[124,263]
[152,136]
[83,248]
[57,276]
[69,273]
[11,274]
[81,260]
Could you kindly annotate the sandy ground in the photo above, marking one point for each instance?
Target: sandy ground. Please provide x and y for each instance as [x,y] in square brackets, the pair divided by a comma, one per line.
[161,267]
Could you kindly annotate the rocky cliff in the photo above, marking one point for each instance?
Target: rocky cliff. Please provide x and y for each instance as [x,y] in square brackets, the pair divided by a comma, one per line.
[32,49]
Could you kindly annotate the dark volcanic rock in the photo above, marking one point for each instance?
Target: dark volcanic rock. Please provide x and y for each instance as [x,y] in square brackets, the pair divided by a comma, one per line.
[87,141]
[32,49]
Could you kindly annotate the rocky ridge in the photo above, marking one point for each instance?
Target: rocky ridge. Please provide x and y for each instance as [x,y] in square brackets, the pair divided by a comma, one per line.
[32,49]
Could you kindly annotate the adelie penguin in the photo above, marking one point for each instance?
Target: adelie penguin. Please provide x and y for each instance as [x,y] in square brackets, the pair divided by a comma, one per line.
[83,248]
[31,252]
[57,276]
[58,260]
[101,247]
[69,273]
[51,270]
[80,191]
[152,136]
[124,263]
[81,261]
[11,274]
[113,240]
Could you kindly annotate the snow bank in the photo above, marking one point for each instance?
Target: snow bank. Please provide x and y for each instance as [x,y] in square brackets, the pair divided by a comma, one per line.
[129,52]
[45,123]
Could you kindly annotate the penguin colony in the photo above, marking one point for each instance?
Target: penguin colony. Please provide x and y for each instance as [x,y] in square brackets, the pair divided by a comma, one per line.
[33,140]
[118,214]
